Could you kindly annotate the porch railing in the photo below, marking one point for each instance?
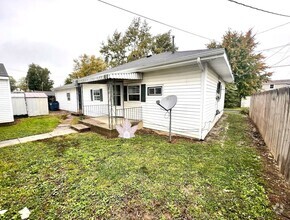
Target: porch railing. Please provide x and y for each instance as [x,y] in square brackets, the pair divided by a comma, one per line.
[95,110]
[134,113]
[115,116]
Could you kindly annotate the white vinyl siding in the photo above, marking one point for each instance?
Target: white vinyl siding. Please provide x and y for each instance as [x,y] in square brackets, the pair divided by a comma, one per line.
[6,111]
[93,107]
[211,104]
[185,83]
[86,88]
[64,104]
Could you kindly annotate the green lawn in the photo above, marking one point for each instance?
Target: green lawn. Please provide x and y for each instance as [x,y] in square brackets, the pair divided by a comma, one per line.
[28,126]
[86,176]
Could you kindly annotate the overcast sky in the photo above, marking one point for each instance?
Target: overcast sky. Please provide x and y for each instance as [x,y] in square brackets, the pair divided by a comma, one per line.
[52,33]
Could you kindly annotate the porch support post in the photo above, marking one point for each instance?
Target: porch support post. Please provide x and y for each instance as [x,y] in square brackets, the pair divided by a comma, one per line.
[115,101]
[108,93]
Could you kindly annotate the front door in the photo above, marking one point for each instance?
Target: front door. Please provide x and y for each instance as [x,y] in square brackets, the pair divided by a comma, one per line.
[118,99]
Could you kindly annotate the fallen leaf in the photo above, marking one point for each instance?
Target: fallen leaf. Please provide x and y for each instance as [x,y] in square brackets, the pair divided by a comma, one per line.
[2,212]
[24,213]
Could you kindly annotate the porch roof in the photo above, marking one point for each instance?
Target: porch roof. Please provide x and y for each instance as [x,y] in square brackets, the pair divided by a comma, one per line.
[112,75]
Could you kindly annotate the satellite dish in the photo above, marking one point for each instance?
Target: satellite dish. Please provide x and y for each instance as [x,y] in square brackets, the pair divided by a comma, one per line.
[168,102]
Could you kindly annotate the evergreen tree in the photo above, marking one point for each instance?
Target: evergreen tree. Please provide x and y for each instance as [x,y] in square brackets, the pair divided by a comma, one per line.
[248,67]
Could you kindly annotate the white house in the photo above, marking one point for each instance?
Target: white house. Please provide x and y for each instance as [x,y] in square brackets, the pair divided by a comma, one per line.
[131,90]
[270,85]
[6,111]
[275,84]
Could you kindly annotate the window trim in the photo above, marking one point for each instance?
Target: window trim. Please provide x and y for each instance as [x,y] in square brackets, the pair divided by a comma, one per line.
[155,87]
[128,93]
[95,96]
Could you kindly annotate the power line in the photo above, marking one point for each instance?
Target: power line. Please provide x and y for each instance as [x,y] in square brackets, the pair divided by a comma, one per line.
[16,70]
[281,25]
[154,20]
[259,9]
[279,66]
[272,48]
[276,53]
[281,60]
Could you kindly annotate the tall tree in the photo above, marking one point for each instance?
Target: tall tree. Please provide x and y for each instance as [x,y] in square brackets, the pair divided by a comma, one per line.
[86,65]
[38,78]
[22,84]
[135,43]
[249,68]
[12,83]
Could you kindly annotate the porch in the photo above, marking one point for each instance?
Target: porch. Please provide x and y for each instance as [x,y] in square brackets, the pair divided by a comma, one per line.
[104,118]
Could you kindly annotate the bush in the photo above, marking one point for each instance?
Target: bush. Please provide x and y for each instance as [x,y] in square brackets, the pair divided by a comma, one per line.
[245,111]
[232,98]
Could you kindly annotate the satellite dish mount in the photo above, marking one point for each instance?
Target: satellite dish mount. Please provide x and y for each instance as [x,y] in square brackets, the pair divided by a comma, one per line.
[167,103]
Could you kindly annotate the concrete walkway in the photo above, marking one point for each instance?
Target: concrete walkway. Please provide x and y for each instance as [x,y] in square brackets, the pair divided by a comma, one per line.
[60,130]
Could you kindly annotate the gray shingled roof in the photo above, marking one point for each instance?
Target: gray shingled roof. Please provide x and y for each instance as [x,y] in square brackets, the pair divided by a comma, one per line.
[67,86]
[160,59]
[3,71]
[280,81]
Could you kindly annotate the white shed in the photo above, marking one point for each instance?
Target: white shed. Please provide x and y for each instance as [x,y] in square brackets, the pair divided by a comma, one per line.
[19,104]
[30,103]
[6,112]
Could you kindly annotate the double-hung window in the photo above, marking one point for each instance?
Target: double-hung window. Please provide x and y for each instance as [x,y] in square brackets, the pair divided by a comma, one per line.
[134,93]
[96,95]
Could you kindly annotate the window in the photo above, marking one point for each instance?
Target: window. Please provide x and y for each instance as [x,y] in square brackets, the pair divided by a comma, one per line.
[96,95]
[68,96]
[154,91]
[134,93]
[218,91]
[271,86]
[219,88]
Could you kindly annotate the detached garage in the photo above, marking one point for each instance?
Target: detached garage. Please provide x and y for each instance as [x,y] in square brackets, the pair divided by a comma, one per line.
[30,103]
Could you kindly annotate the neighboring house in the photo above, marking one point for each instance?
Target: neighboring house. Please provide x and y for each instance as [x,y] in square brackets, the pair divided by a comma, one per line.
[29,103]
[6,111]
[131,90]
[270,85]
[275,84]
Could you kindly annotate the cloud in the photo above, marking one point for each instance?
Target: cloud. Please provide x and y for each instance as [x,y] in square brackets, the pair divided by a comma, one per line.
[27,52]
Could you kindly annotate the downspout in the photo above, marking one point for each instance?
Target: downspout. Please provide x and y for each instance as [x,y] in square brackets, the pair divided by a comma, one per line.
[108,94]
[203,95]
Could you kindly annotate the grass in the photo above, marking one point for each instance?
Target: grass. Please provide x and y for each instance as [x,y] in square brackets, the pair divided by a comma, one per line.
[28,126]
[85,176]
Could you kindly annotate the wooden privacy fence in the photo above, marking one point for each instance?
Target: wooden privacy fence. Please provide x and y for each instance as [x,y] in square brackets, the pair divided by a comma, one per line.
[270,111]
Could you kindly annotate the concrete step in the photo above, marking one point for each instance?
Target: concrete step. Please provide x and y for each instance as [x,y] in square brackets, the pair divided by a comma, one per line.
[80,127]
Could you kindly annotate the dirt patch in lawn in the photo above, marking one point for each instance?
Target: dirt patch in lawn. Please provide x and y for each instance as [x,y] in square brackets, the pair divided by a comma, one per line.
[277,188]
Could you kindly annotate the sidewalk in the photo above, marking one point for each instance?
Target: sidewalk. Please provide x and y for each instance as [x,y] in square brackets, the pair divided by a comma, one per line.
[60,130]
